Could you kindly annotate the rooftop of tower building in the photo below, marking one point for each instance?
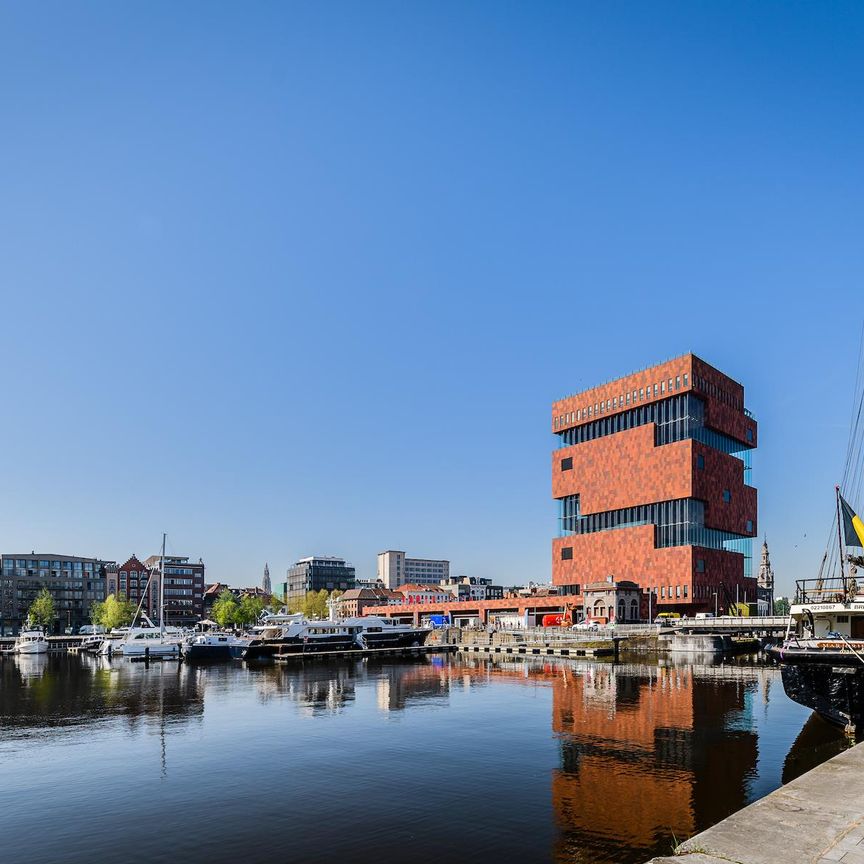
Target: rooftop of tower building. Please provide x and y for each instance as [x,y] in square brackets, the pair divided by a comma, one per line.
[686,373]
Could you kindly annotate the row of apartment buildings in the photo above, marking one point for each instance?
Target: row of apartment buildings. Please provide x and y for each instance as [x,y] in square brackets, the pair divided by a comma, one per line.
[76,583]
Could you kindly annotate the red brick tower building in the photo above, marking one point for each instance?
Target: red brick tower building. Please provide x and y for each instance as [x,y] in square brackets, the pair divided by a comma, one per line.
[652,482]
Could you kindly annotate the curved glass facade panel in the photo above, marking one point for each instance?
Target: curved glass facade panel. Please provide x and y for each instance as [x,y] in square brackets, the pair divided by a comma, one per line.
[676,419]
[680,522]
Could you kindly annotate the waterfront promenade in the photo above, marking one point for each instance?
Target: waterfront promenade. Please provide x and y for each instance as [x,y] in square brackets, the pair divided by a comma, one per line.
[816,819]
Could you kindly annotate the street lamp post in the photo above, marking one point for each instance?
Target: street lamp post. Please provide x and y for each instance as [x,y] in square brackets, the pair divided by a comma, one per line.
[715,603]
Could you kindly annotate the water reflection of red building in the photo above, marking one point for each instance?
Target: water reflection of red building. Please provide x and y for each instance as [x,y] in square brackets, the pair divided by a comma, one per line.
[646,755]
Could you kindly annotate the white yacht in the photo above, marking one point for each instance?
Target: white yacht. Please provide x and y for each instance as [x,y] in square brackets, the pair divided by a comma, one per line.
[31,640]
[149,641]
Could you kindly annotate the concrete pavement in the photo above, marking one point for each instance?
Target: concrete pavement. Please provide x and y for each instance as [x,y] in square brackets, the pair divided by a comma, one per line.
[816,819]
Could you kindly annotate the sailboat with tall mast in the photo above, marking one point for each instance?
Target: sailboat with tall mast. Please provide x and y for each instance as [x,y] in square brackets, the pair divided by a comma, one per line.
[822,655]
[149,640]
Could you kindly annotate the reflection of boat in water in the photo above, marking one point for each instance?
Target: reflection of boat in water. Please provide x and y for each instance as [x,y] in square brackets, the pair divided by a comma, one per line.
[214,647]
[822,659]
[309,637]
[31,640]
[817,741]
[31,665]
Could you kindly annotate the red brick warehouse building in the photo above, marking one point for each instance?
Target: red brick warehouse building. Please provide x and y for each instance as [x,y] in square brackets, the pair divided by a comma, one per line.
[651,478]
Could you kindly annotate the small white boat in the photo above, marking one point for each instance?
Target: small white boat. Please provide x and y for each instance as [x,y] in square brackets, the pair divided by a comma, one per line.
[31,640]
[148,641]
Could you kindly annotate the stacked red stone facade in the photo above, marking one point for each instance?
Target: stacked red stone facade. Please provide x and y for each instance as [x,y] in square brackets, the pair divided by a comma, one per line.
[626,469]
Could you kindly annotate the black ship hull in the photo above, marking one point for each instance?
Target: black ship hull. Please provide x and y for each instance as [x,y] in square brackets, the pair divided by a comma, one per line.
[269,648]
[830,683]
[212,653]
[404,639]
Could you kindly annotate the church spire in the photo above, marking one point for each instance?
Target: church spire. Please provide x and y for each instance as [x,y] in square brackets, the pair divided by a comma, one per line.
[265,583]
[765,580]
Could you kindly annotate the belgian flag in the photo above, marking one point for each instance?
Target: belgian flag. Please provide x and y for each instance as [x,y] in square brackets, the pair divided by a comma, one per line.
[853,527]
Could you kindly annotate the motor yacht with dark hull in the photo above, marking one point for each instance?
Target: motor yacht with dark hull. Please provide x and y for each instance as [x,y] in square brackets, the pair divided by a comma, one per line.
[822,656]
[302,637]
[312,637]
[374,632]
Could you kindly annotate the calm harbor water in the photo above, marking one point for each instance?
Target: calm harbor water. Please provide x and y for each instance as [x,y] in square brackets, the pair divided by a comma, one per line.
[451,758]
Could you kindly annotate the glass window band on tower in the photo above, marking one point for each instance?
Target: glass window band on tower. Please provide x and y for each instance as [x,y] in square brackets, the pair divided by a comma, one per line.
[680,522]
[678,418]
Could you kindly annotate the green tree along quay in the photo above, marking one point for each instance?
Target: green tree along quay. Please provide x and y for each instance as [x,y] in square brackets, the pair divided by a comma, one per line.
[314,604]
[225,609]
[42,609]
[248,611]
[781,606]
[96,611]
[113,612]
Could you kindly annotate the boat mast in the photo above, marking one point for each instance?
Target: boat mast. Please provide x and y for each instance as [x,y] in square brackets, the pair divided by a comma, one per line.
[162,590]
[840,540]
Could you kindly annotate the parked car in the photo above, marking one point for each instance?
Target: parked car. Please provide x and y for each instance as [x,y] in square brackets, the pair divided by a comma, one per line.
[702,616]
[586,625]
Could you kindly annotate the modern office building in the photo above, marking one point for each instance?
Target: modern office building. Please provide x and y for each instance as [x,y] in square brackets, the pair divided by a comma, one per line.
[652,481]
[184,588]
[316,573]
[75,584]
[395,569]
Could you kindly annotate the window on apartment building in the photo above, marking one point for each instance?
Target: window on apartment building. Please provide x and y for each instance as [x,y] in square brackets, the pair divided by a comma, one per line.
[750,435]
[641,393]
[700,461]
[662,386]
[655,389]
[662,590]
[685,590]
[727,496]
[677,590]
[749,526]
[566,553]
[567,464]
[700,565]
[670,385]
[685,379]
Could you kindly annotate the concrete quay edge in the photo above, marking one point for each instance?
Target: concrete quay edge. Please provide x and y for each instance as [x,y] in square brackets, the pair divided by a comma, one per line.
[817,818]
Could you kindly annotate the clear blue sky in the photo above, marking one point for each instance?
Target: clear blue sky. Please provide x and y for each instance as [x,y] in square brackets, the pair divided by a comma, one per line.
[284,279]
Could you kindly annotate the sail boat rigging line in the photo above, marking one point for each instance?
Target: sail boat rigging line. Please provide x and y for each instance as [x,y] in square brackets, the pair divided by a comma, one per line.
[162,590]
[840,539]
[855,419]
